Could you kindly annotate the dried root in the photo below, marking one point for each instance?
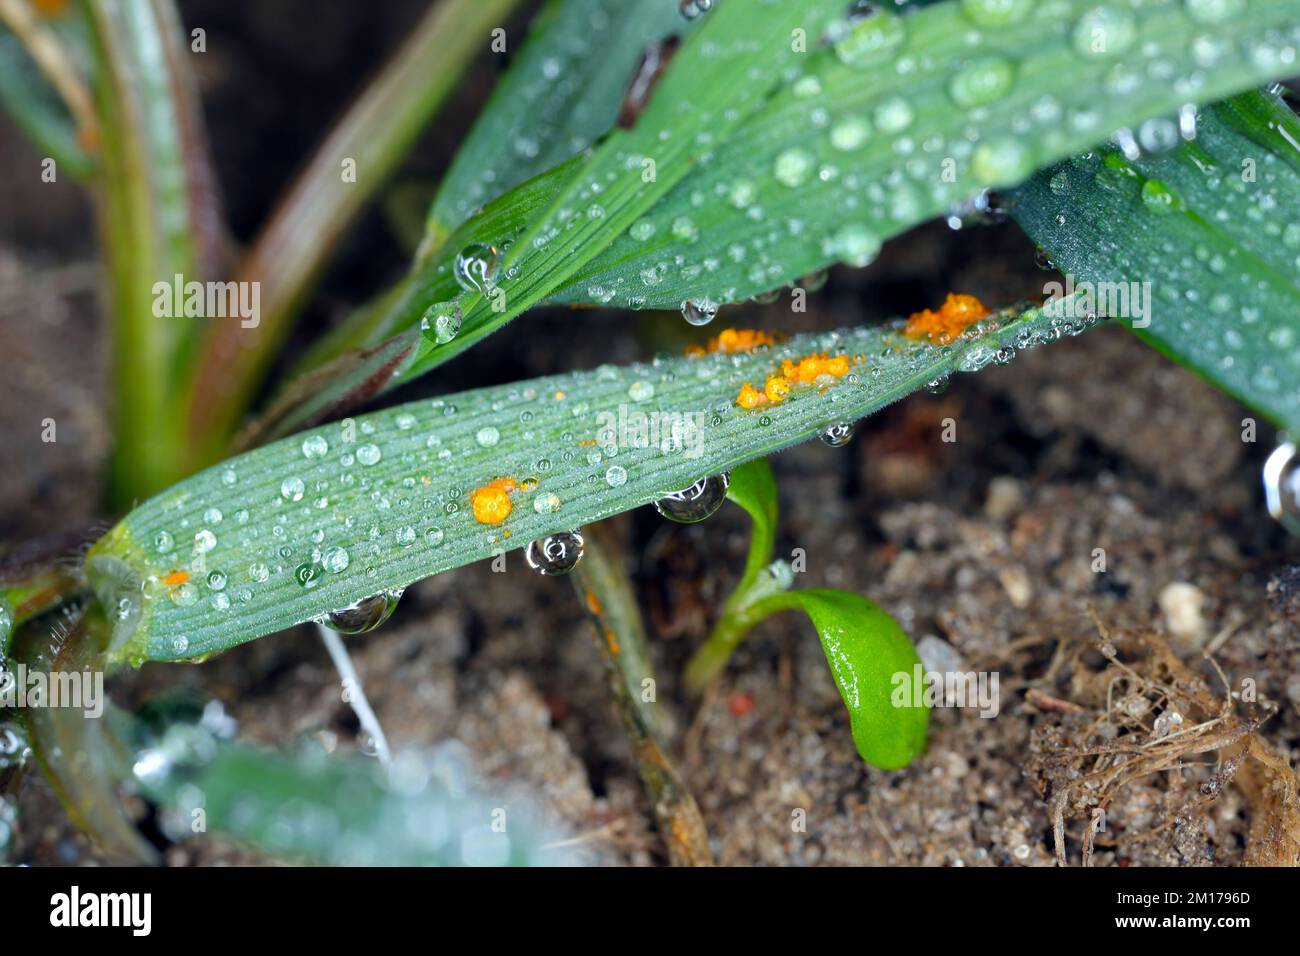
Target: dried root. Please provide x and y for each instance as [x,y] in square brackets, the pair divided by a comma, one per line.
[1124,707]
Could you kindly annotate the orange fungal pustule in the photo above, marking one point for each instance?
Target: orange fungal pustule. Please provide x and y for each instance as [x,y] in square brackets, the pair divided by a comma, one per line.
[955,316]
[491,503]
[808,370]
[731,341]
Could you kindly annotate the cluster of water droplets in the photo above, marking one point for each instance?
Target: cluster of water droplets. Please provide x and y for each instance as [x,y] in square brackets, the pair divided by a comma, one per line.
[825,167]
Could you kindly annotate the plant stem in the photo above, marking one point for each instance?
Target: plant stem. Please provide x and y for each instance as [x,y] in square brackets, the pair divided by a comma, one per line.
[157,219]
[606,592]
[742,612]
[296,243]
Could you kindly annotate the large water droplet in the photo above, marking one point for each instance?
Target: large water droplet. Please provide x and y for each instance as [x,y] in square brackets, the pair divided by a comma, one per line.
[837,435]
[475,267]
[364,615]
[441,322]
[556,553]
[315,446]
[793,167]
[697,502]
[699,311]
[982,82]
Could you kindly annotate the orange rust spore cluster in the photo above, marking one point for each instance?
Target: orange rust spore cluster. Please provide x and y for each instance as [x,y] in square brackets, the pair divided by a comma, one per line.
[804,371]
[955,316]
[491,503]
[730,341]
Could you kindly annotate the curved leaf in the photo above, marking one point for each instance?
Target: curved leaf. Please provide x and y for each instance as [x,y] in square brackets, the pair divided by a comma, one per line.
[906,117]
[869,655]
[243,549]
[1207,236]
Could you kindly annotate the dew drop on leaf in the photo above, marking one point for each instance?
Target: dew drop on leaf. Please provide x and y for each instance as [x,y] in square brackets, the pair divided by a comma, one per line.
[556,553]
[837,435]
[291,489]
[364,615]
[696,502]
[699,311]
[475,267]
[315,446]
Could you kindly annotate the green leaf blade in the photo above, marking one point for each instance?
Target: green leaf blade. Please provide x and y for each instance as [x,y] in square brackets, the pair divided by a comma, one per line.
[1206,235]
[562,92]
[396,497]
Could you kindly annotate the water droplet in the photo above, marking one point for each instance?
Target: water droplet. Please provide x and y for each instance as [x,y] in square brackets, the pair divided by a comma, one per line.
[855,244]
[487,436]
[291,489]
[696,502]
[335,560]
[547,503]
[1215,11]
[684,228]
[1159,135]
[642,229]
[315,446]
[850,134]
[163,542]
[894,115]
[204,541]
[692,9]
[872,40]
[364,615]
[1001,161]
[1104,32]
[556,553]
[996,13]
[369,454]
[217,581]
[441,322]
[476,266]
[982,82]
[1157,197]
[837,435]
[793,167]
[937,386]
[1282,486]
[308,574]
[641,391]
[259,573]
[213,516]
[699,311]
[185,595]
